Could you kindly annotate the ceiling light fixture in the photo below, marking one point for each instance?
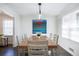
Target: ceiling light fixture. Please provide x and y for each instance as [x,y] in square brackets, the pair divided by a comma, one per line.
[39,10]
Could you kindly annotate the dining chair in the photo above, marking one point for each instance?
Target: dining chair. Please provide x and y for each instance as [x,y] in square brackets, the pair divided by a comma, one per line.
[25,50]
[55,41]
[17,48]
[20,50]
[3,40]
[38,48]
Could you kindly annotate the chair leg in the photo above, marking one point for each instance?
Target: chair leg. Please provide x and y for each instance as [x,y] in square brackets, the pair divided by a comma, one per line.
[53,54]
[49,52]
[19,51]
[54,51]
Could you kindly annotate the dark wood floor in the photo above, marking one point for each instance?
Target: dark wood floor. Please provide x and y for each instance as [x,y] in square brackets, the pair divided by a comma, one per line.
[9,51]
[61,52]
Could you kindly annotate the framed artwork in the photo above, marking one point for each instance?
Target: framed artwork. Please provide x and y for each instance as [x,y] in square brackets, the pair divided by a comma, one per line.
[39,26]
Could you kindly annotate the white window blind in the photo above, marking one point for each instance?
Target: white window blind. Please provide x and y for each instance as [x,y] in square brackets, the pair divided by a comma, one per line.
[70,27]
[7,27]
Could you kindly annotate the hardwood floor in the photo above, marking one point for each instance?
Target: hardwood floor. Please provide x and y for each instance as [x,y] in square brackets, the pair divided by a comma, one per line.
[9,51]
[61,52]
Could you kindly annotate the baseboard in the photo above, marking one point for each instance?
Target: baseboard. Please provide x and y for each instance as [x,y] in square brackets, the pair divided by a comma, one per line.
[9,45]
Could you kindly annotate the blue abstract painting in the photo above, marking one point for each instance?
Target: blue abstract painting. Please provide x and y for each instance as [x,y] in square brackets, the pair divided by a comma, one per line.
[39,26]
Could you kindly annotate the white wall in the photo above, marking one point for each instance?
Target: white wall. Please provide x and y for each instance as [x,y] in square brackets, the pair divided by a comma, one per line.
[68,43]
[26,25]
[10,11]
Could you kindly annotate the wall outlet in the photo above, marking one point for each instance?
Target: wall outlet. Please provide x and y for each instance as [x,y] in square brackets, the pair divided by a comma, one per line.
[71,49]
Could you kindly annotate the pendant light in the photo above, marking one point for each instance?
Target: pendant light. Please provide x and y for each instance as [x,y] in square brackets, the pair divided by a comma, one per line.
[39,4]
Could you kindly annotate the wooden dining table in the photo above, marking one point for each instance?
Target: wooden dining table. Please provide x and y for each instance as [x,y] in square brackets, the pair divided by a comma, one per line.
[24,44]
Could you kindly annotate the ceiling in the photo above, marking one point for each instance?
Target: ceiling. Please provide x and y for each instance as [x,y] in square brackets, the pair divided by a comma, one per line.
[33,8]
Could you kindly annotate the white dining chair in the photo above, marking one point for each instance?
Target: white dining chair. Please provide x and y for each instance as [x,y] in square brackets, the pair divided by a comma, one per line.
[55,40]
[20,50]
[38,48]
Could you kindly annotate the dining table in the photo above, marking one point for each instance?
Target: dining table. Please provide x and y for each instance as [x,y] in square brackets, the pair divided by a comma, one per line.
[24,43]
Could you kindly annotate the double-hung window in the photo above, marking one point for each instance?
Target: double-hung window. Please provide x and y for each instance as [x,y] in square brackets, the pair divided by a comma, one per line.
[8,26]
[70,27]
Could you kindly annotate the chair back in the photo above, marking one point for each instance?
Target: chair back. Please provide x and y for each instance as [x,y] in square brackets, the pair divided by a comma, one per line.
[20,51]
[55,38]
[17,40]
[39,47]
[24,37]
[43,37]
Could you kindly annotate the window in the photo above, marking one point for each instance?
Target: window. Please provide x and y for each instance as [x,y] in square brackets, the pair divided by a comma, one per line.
[70,27]
[8,27]
[66,27]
